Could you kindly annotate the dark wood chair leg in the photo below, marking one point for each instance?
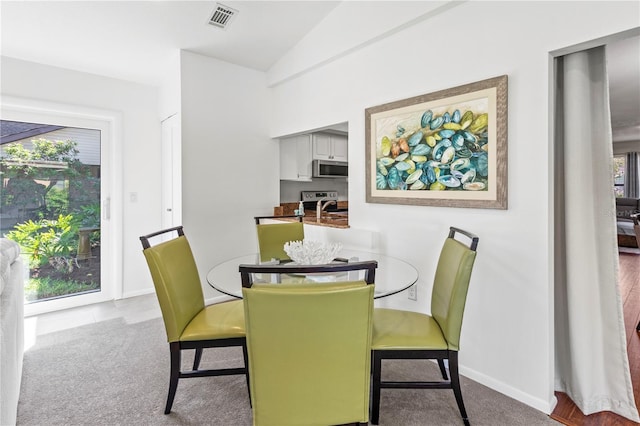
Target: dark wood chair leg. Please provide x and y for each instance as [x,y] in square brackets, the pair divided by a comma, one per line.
[455,385]
[443,370]
[638,327]
[245,355]
[197,358]
[375,398]
[176,353]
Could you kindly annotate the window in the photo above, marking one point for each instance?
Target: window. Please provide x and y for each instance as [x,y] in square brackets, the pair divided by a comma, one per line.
[51,205]
[77,117]
[619,163]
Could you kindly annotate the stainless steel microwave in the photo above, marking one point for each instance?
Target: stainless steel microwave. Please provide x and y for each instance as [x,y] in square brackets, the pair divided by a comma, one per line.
[326,168]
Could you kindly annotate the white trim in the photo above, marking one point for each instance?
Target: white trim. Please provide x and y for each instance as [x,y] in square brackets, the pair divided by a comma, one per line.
[590,44]
[110,123]
[551,326]
[171,176]
[142,292]
[537,403]
[38,308]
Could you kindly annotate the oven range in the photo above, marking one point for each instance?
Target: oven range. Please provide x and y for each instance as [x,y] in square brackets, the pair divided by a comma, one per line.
[310,200]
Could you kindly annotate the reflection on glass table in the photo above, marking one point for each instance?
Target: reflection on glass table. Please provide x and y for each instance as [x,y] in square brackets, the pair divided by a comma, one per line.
[393,275]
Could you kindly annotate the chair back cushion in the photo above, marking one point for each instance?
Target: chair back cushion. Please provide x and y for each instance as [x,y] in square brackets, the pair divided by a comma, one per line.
[175,277]
[309,352]
[450,289]
[271,239]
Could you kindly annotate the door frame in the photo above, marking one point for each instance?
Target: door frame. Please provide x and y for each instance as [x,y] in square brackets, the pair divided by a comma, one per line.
[551,72]
[111,194]
[171,171]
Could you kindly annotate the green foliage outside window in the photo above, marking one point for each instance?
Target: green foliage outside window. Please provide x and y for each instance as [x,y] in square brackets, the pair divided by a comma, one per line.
[49,194]
[618,175]
[38,179]
[48,241]
[52,195]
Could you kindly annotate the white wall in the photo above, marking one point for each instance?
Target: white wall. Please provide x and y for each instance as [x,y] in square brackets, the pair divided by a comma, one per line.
[624,147]
[507,339]
[140,133]
[350,26]
[230,165]
[169,96]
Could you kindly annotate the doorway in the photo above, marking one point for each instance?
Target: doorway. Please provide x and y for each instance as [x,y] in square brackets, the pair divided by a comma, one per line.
[56,202]
[50,206]
[171,172]
[598,326]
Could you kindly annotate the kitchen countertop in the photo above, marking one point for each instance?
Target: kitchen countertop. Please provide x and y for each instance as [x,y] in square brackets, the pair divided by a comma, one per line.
[329,219]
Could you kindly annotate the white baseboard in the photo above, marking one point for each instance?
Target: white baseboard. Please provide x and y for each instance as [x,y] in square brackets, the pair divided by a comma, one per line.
[138,293]
[537,403]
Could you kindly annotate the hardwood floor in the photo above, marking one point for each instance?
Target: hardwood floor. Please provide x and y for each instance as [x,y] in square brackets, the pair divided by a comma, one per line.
[566,411]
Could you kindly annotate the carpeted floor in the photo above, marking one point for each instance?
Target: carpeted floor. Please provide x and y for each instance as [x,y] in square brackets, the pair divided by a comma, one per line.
[114,373]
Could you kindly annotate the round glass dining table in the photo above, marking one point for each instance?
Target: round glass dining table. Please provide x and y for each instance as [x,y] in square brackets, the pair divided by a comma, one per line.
[392,275]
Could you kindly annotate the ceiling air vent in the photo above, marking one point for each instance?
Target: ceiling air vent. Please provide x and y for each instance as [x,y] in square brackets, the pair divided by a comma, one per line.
[222,16]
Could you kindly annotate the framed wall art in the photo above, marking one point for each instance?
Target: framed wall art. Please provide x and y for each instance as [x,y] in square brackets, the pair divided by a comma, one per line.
[446,148]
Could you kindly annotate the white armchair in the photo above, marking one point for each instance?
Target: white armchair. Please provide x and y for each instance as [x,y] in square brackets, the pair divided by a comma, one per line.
[11,329]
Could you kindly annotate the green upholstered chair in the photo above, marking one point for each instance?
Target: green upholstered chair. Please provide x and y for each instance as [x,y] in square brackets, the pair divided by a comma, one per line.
[309,349]
[410,335]
[272,236]
[188,322]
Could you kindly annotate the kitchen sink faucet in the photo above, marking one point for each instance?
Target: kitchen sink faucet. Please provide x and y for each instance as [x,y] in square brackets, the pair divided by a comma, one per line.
[320,207]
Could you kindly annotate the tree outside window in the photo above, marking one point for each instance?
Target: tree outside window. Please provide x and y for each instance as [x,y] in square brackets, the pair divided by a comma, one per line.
[619,163]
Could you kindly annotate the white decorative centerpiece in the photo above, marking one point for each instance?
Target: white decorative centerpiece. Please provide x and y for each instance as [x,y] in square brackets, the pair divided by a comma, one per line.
[309,252]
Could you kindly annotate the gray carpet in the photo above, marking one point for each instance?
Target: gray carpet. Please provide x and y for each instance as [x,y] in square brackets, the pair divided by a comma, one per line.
[113,373]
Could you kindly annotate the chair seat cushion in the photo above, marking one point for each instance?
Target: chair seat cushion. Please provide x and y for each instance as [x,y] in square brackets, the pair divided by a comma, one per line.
[394,329]
[218,321]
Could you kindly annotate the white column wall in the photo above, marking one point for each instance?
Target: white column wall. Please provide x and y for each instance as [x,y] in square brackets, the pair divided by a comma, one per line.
[230,169]
[507,337]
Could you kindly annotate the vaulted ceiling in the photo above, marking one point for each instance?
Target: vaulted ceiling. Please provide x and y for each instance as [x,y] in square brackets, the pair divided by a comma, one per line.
[137,40]
[134,40]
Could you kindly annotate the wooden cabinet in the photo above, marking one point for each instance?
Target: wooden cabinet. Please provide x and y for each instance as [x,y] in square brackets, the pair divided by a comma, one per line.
[296,158]
[330,147]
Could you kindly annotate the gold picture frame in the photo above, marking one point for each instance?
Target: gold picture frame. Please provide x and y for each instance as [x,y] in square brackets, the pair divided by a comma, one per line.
[446,148]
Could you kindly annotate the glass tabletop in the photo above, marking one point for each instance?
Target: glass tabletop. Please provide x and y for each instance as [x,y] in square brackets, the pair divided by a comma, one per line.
[392,275]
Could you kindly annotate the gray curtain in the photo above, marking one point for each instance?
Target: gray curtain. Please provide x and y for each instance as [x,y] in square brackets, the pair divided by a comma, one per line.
[592,367]
[631,178]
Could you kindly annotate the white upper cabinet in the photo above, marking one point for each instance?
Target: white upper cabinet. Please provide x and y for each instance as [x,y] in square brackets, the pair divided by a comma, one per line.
[296,158]
[330,147]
